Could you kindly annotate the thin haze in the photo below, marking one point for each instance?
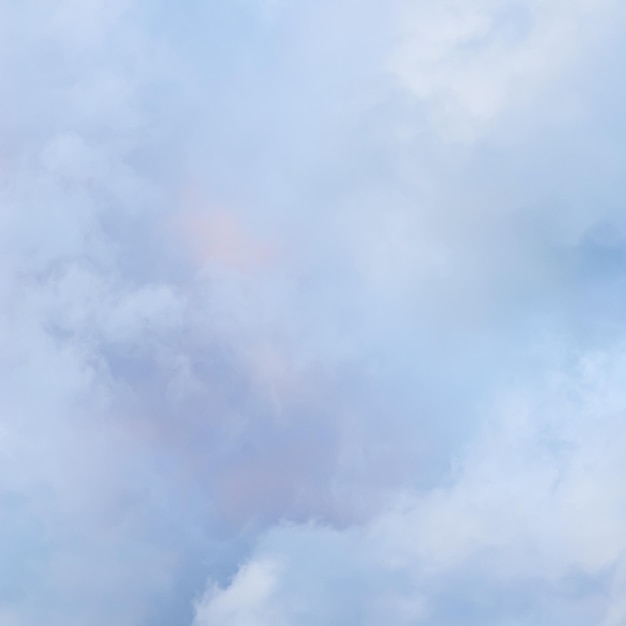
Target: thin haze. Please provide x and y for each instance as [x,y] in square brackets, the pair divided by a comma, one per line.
[311,313]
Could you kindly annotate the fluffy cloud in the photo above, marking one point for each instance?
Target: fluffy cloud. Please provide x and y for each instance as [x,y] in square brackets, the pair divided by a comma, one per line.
[530,529]
[253,274]
[472,61]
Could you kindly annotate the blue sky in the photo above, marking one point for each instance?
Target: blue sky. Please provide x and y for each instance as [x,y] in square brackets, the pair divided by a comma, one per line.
[312,313]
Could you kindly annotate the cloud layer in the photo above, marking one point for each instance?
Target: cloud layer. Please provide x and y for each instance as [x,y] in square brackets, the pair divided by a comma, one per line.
[311,313]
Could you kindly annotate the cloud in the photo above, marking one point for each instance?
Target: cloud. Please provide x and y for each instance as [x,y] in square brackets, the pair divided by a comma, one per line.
[247,601]
[221,239]
[250,375]
[529,528]
[472,61]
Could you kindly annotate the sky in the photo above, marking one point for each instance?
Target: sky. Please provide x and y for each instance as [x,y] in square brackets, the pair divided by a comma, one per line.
[311,313]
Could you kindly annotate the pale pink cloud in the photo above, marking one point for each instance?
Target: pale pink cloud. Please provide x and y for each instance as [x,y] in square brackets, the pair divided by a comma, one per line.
[220,236]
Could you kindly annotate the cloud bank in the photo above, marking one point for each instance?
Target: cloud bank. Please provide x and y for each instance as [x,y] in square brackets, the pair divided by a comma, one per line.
[311,313]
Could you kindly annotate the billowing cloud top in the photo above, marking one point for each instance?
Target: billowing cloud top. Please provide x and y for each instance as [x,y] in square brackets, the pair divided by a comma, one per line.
[311,313]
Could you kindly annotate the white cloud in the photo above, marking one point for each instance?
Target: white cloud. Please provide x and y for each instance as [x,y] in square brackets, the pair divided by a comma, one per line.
[535,504]
[160,407]
[247,602]
[470,61]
